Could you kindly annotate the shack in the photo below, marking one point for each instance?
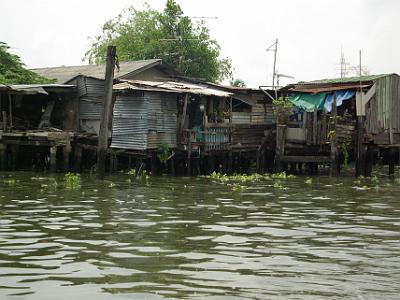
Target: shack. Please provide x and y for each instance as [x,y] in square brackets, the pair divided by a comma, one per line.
[89,80]
[196,121]
[340,119]
[37,128]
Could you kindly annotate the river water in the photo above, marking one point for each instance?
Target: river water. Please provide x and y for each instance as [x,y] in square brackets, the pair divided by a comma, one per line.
[193,238]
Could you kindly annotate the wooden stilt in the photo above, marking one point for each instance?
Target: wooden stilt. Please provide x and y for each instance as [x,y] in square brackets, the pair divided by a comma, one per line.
[391,158]
[280,146]
[53,159]
[210,161]
[106,114]
[360,154]
[3,158]
[189,160]
[153,164]
[334,170]
[171,163]
[77,158]
[369,161]
[66,154]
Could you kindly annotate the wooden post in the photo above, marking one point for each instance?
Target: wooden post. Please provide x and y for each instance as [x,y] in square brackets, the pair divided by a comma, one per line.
[230,162]
[53,159]
[66,154]
[77,158]
[334,170]
[189,157]
[3,158]
[4,113]
[314,129]
[182,123]
[171,163]
[280,146]
[106,115]
[369,161]
[360,155]
[10,110]
[391,157]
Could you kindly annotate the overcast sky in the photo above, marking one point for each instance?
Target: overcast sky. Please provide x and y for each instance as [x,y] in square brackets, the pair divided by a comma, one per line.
[311,33]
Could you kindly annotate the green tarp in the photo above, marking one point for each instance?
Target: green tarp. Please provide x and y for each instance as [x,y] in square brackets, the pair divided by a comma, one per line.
[308,102]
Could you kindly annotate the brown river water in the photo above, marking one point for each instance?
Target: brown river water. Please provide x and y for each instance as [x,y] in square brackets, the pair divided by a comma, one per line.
[194,238]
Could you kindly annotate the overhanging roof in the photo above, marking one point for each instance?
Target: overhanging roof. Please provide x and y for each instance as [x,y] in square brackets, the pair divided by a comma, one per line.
[170,87]
[64,74]
[32,89]
[336,84]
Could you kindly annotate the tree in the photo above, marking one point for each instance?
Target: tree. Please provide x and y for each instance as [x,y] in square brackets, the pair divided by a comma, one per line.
[237,82]
[169,35]
[13,71]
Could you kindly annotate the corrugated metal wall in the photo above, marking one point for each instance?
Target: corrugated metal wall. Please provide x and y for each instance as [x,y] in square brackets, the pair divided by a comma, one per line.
[141,123]
[383,110]
[90,92]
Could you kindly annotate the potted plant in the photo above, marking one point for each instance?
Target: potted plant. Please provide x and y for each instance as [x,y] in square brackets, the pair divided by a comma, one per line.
[282,108]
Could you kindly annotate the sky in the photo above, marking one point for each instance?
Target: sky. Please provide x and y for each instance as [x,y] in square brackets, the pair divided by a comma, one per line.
[311,33]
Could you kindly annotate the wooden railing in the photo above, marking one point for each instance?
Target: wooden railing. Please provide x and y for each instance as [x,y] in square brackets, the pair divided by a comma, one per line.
[215,136]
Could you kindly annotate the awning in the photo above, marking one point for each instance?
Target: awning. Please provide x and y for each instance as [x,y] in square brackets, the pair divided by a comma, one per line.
[308,102]
[322,101]
[340,97]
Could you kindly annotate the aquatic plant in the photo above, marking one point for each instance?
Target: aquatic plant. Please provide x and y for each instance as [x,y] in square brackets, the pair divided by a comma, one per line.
[72,180]
[163,153]
[10,181]
[132,172]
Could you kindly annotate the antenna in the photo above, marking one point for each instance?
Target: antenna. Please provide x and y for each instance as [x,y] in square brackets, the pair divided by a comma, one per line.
[275,49]
[279,75]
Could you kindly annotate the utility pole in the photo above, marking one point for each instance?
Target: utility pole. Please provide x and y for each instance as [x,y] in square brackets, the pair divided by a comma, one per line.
[102,144]
[274,71]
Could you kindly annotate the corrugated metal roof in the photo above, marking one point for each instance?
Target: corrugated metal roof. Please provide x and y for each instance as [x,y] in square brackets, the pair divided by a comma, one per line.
[330,85]
[34,88]
[65,73]
[171,87]
[350,79]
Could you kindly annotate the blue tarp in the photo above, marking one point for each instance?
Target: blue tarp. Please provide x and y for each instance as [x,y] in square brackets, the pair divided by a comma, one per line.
[340,97]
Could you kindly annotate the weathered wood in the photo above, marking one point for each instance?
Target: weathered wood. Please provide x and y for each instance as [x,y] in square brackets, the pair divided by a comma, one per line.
[391,160]
[53,159]
[77,158]
[45,120]
[171,163]
[334,156]
[305,159]
[360,149]
[106,115]
[369,161]
[4,114]
[184,110]
[66,155]
[315,130]
[280,146]
[3,156]
[10,111]
[189,158]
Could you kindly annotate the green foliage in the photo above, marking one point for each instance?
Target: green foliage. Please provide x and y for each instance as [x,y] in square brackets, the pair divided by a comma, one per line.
[140,176]
[10,181]
[169,35]
[345,151]
[237,82]
[12,70]
[282,108]
[163,152]
[72,180]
